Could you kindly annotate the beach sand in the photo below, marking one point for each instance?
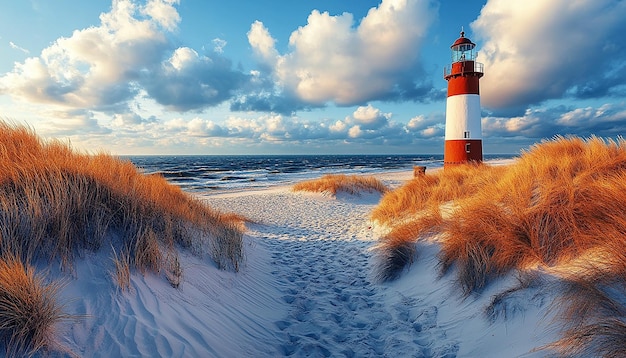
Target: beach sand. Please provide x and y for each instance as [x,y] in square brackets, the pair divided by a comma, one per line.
[306,288]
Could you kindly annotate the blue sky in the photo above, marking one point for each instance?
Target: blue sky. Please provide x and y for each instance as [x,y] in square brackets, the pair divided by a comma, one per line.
[326,76]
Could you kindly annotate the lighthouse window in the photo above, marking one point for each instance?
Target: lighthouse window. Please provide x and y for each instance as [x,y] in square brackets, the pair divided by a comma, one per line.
[467,147]
[466,134]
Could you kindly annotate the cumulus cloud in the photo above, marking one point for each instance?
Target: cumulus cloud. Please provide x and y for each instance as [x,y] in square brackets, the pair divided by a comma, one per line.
[431,126]
[163,13]
[74,122]
[536,50]
[196,127]
[189,81]
[131,53]
[92,68]
[129,118]
[369,117]
[278,128]
[608,120]
[263,44]
[332,60]
[104,67]
[365,121]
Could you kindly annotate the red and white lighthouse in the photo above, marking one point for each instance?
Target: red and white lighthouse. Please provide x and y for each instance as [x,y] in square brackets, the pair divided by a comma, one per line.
[463,129]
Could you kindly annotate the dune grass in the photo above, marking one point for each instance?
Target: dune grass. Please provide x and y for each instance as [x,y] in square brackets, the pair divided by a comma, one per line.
[561,200]
[335,183]
[428,192]
[29,310]
[594,318]
[56,204]
[592,306]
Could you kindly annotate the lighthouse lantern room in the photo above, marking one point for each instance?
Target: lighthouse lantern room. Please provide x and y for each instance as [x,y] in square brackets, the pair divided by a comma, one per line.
[463,135]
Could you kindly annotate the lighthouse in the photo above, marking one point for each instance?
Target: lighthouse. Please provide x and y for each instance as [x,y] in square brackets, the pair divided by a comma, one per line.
[463,136]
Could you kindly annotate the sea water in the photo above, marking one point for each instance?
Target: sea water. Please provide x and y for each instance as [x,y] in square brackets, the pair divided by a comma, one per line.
[205,173]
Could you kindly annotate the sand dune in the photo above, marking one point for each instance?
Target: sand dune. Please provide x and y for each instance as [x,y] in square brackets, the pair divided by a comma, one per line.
[306,288]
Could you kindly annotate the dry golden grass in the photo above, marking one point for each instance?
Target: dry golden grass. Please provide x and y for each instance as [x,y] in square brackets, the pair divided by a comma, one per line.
[174,271]
[55,202]
[594,318]
[397,250]
[29,309]
[561,203]
[334,183]
[427,191]
[556,201]
[122,269]
[592,307]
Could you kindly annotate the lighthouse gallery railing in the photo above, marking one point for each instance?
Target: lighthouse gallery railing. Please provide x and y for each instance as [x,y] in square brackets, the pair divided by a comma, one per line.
[466,67]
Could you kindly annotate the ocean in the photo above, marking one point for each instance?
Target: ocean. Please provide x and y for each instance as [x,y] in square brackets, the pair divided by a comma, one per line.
[212,172]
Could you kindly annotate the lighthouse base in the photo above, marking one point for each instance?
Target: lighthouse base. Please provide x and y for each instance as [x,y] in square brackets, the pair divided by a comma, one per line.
[462,151]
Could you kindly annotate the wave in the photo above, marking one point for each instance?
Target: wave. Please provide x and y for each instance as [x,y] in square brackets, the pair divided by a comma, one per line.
[199,173]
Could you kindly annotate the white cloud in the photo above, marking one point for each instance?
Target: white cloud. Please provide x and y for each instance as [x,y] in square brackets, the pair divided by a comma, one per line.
[94,67]
[103,68]
[126,119]
[417,123]
[369,117]
[432,132]
[163,12]
[218,45]
[263,44]
[339,126]
[182,58]
[536,50]
[608,120]
[16,47]
[427,126]
[74,122]
[292,129]
[199,127]
[331,59]
[355,132]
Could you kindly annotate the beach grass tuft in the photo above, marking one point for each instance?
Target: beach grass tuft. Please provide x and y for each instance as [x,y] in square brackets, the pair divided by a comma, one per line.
[393,258]
[29,309]
[592,304]
[335,183]
[122,264]
[593,315]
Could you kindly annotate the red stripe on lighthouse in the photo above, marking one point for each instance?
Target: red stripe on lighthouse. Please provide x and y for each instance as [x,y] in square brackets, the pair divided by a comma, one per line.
[463,85]
[461,151]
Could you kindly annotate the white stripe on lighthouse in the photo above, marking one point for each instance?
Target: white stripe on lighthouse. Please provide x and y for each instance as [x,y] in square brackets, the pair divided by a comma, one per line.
[463,117]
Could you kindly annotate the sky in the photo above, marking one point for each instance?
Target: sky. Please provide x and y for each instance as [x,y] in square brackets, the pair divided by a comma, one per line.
[175,77]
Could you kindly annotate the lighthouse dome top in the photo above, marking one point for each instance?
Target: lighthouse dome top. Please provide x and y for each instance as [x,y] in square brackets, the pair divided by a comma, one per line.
[462,44]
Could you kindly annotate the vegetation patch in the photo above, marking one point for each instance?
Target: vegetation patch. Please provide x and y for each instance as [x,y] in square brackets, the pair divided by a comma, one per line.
[56,203]
[29,309]
[559,204]
[335,183]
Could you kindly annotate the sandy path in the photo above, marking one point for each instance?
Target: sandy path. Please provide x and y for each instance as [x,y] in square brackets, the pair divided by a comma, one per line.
[321,260]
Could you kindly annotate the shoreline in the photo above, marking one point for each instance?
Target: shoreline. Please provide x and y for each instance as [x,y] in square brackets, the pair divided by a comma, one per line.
[395,177]
[392,178]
